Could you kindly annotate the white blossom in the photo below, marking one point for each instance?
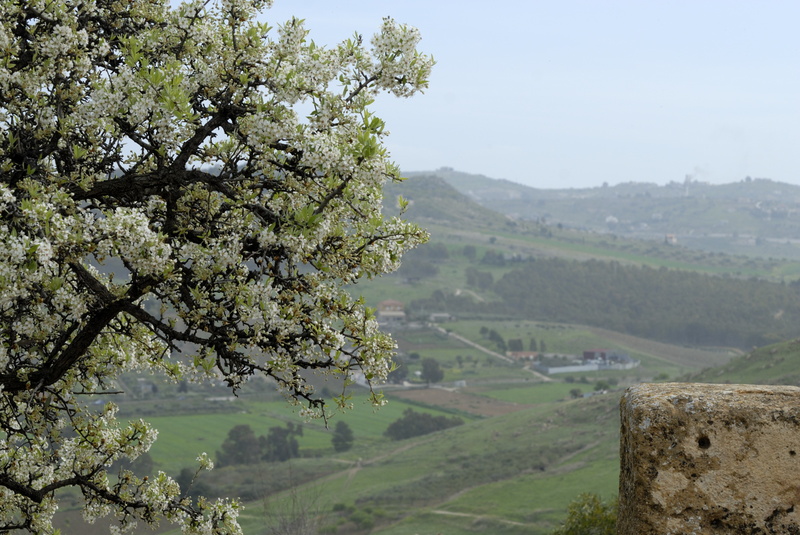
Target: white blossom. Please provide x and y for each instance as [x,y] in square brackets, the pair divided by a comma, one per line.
[183,191]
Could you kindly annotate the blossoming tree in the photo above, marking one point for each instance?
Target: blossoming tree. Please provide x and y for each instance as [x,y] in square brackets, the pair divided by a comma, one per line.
[183,190]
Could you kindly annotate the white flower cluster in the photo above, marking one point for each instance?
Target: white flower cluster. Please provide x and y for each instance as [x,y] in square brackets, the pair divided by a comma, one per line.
[165,205]
[127,235]
[403,70]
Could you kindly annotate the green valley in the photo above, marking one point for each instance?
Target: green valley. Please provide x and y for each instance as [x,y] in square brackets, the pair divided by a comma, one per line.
[488,298]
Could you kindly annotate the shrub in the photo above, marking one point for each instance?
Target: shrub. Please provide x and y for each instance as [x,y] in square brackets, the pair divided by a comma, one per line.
[413,424]
[589,515]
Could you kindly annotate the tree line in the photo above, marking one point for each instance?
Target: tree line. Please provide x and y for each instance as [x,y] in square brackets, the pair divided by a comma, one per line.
[279,444]
[674,306]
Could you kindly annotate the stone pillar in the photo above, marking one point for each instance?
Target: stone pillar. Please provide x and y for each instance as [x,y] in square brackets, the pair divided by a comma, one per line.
[702,459]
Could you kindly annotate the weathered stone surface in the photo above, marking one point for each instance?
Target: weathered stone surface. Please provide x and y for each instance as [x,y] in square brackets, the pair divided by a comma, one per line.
[701,459]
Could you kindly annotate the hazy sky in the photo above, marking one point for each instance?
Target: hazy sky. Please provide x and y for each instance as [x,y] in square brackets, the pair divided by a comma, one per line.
[565,93]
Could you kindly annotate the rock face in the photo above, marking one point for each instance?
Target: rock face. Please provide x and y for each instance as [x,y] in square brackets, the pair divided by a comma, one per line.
[702,459]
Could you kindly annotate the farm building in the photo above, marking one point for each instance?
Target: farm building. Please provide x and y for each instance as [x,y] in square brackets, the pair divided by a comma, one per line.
[607,356]
[391,312]
[522,355]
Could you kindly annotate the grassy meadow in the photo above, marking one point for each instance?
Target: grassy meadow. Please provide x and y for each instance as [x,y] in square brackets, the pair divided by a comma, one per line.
[525,450]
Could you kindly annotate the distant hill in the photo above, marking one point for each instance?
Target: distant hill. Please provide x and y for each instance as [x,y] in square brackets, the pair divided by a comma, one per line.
[759,217]
[451,214]
[776,364]
[480,262]
[433,199]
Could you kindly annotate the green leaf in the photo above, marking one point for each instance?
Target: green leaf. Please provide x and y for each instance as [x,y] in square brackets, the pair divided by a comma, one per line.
[402,203]
[55,283]
[78,152]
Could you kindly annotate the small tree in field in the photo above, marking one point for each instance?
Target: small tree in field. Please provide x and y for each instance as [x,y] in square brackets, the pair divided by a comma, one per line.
[241,447]
[280,443]
[342,438]
[183,190]
[432,372]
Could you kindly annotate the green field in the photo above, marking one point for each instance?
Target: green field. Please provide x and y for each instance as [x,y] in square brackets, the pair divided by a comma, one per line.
[509,473]
[518,470]
[513,472]
[183,437]
[535,393]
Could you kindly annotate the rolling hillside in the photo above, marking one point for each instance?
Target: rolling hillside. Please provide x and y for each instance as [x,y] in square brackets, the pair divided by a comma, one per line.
[487,265]
[446,207]
[756,217]
[510,474]
[776,364]
[527,446]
